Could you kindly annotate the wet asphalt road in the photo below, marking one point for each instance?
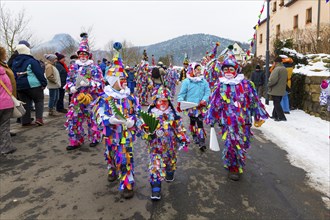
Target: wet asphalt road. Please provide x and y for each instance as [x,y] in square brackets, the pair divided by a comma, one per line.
[41,180]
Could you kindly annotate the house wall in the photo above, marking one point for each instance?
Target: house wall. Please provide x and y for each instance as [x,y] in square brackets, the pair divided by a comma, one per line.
[284,16]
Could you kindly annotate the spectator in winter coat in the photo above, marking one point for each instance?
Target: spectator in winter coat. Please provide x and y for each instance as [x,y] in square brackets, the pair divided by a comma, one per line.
[103,65]
[11,59]
[31,82]
[276,88]
[285,102]
[131,78]
[6,109]
[9,72]
[258,78]
[54,82]
[63,71]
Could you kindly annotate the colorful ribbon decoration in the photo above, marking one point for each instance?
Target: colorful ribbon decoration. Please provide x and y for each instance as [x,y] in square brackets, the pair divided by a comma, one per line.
[256,29]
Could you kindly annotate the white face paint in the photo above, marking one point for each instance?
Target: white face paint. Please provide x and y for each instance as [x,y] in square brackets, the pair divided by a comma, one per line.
[83,57]
[229,72]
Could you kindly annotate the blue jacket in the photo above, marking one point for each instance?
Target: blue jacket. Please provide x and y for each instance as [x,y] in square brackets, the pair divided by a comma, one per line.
[33,74]
[194,91]
[103,66]
[130,77]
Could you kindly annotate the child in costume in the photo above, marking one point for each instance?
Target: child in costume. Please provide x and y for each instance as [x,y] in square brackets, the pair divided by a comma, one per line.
[115,112]
[163,144]
[195,89]
[233,104]
[85,81]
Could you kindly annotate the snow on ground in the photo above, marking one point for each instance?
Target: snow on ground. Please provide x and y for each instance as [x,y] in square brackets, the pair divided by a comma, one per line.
[306,139]
[318,65]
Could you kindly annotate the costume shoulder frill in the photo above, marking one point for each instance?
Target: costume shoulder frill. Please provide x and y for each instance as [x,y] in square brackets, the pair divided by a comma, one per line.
[102,112]
[91,72]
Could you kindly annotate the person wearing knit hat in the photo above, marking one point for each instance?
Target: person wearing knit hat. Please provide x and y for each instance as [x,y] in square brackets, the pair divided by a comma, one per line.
[234,103]
[164,142]
[25,43]
[195,89]
[85,82]
[63,70]
[116,113]
[54,82]
[31,82]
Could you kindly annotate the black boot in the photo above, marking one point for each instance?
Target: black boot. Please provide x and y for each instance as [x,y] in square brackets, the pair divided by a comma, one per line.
[128,193]
[72,147]
[196,140]
[202,145]
[93,144]
[233,175]
[156,188]
[169,176]
[113,176]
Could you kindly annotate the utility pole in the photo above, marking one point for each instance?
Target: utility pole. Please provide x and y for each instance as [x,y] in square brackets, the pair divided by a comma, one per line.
[267,53]
[318,38]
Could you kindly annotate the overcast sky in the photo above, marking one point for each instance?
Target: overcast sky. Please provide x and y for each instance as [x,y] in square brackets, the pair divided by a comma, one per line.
[141,22]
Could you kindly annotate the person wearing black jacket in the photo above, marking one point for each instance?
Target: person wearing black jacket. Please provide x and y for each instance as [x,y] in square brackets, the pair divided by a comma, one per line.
[63,70]
[258,78]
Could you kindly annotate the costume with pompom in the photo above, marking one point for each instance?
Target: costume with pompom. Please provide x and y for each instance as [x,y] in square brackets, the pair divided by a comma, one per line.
[169,137]
[118,133]
[84,82]
[233,105]
[325,93]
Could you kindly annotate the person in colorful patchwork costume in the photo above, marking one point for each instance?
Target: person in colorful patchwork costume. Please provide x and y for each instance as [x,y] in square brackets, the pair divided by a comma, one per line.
[116,114]
[233,105]
[212,71]
[171,80]
[144,83]
[195,89]
[325,93]
[165,141]
[85,81]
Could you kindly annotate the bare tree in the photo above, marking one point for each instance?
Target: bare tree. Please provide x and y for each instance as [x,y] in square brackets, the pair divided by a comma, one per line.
[129,53]
[305,39]
[13,27]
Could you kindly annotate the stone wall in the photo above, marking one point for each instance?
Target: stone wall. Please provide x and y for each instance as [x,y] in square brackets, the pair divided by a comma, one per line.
[311,103]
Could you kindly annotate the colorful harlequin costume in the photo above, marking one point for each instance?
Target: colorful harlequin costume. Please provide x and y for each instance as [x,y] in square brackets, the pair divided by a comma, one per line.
[233,104]
[325,93]
[118,133]
[183,72]
[195,89]
[85,81]
[143,82]
[169,137]
[171,80]
[212,71]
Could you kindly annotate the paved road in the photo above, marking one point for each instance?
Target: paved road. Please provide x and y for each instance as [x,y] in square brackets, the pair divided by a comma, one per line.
[44,181]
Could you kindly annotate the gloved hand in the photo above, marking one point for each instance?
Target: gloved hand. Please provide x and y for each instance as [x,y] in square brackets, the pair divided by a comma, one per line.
[178,107]
[129,123]
[258,123]
[202,104]
[83,83]
[115,121]
[73,89]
